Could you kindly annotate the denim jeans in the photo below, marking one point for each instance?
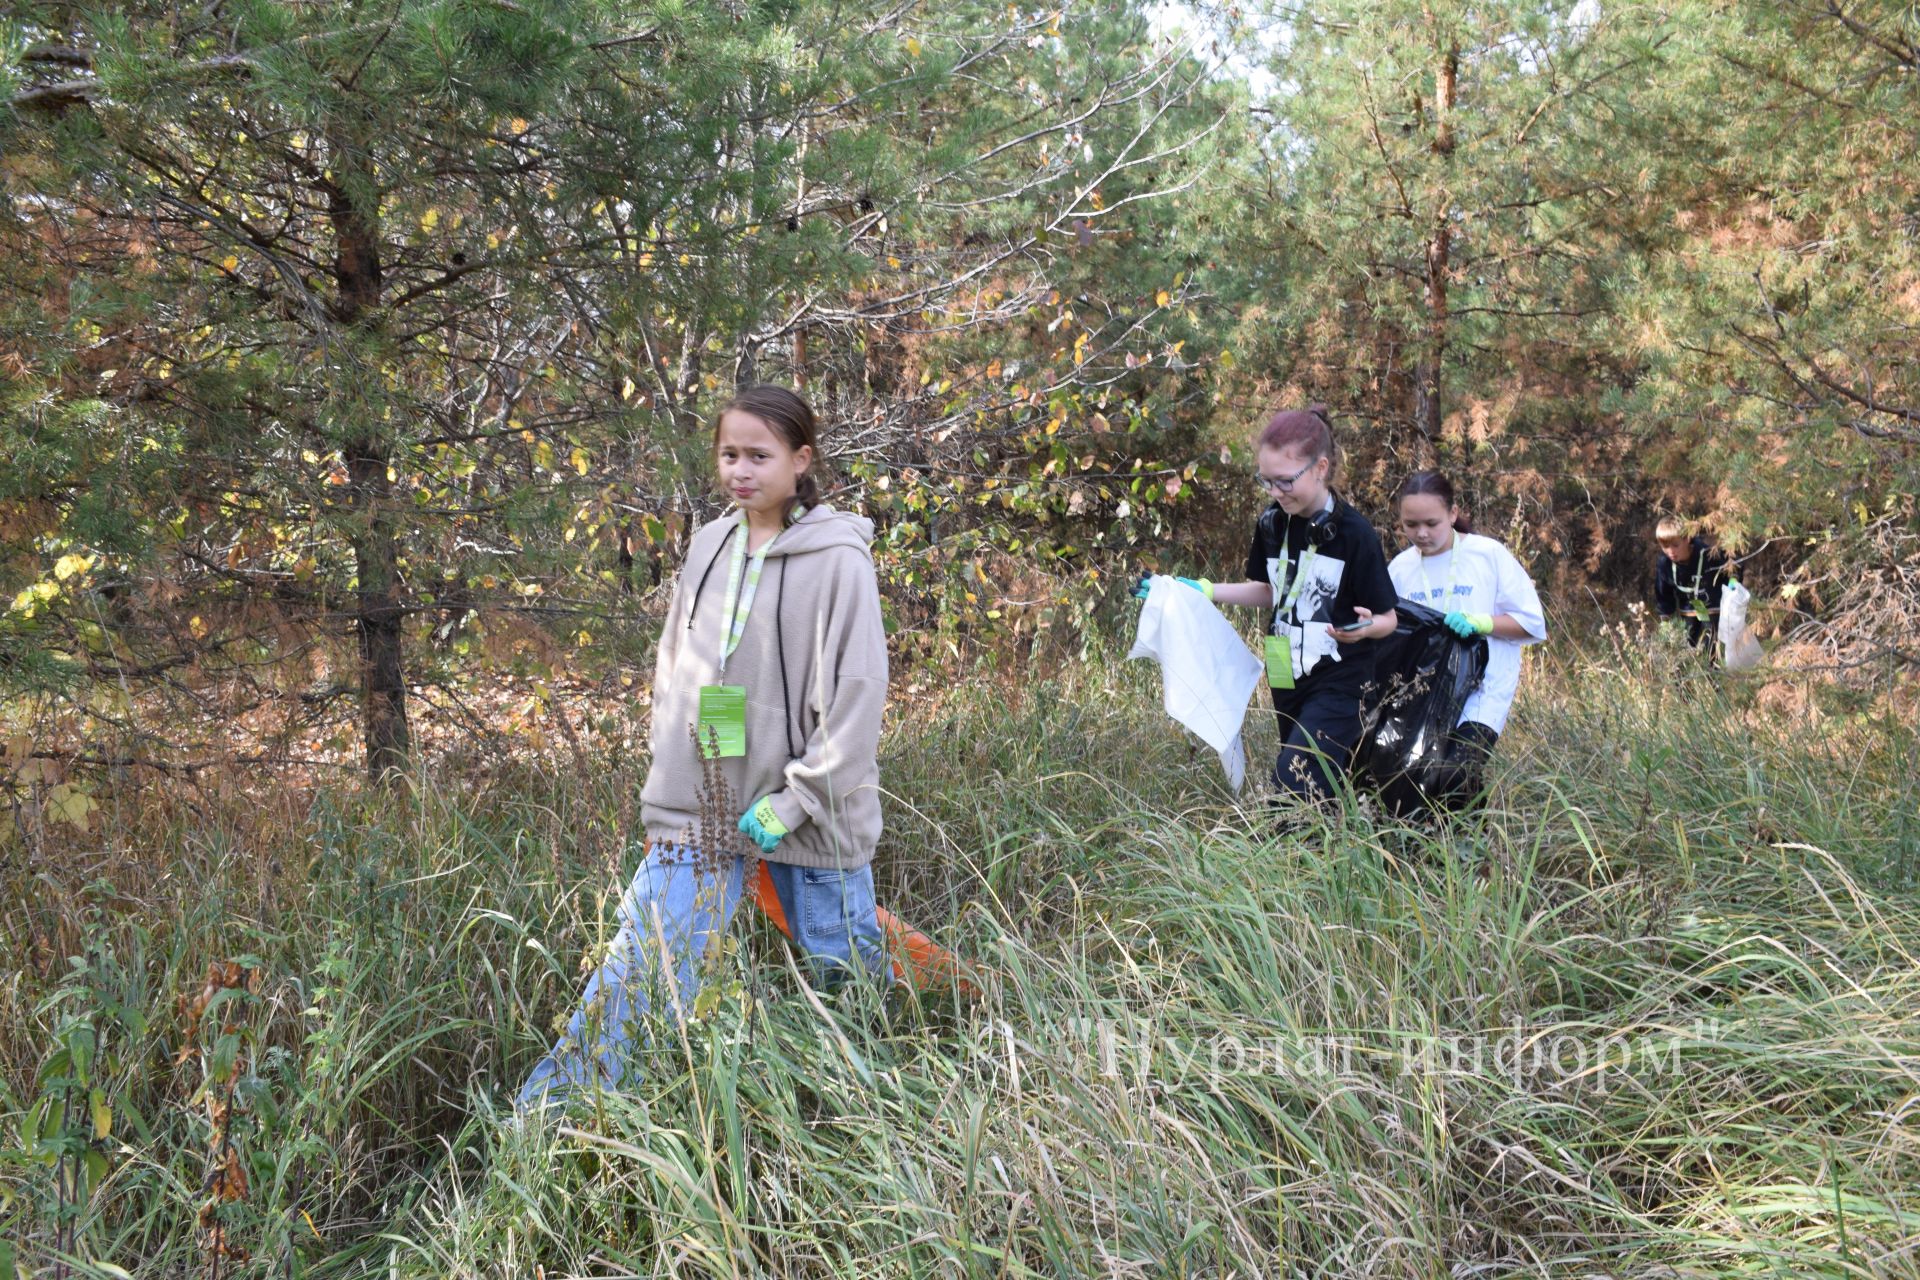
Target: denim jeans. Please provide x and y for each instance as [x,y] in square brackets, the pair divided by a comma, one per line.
[669,916]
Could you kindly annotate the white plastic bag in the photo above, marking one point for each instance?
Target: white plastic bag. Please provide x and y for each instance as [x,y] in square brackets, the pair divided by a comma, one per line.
[1209,673]
[1738,649]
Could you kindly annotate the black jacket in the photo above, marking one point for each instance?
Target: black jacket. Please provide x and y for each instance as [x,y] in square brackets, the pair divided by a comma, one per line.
[1677,586]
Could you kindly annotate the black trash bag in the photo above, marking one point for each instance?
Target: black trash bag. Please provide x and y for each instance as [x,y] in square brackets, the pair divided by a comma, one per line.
[1423,676]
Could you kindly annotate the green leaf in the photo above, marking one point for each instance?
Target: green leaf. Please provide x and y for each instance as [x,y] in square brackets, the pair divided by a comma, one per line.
[96,1166]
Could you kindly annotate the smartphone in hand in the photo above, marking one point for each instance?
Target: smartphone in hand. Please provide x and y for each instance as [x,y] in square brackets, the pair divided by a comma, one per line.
[1360,625]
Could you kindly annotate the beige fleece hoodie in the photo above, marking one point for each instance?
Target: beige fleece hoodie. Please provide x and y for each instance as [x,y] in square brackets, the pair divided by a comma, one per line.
[812,738]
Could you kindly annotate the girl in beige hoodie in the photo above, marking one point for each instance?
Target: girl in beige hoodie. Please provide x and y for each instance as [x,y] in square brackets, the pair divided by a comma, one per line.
[767,697]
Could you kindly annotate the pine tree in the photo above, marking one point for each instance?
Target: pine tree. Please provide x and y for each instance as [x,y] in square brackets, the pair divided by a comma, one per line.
[373,315]
[1445,181]
[1777,315]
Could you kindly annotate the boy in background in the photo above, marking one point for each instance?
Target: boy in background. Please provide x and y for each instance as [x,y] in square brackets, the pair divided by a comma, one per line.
[1688,579]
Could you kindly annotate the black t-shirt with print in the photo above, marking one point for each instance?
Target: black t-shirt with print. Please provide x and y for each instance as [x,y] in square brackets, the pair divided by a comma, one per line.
[1346,567]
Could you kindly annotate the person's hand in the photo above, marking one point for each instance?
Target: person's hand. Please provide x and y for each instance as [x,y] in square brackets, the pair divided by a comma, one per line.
[1469,625]
[1203,585]
[1356,635]
[763,825]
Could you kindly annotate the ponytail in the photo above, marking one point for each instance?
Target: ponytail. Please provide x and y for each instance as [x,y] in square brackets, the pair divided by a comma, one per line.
[806,494]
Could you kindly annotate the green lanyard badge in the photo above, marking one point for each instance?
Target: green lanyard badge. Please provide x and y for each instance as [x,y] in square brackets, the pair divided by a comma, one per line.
[723,707]
[1279,662]
[1280,671]
[723,720]
[1695,593]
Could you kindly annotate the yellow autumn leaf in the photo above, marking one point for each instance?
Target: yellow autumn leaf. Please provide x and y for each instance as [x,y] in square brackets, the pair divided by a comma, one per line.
[231,262]
[581,461]
[1162,298]
[67,803]
[913,47]
[70,565]
[626,388]
[430,219]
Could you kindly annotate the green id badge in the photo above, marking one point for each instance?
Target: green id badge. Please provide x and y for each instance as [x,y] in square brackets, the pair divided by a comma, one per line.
[723,720]
[1279,662]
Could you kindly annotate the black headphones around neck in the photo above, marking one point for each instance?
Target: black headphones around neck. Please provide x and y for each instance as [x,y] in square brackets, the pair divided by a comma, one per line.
[1320,527]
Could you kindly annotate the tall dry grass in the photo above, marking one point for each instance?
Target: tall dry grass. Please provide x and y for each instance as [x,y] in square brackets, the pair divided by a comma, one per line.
[1655,1012]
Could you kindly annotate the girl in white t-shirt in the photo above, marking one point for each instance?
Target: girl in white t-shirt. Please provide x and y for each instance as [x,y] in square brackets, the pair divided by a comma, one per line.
[1482,590]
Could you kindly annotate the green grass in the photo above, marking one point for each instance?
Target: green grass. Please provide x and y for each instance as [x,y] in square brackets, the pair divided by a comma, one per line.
[1655,1013]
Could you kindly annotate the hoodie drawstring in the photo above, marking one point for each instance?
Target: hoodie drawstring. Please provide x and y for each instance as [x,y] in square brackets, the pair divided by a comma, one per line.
[780,639]
[779,631]
[694,608]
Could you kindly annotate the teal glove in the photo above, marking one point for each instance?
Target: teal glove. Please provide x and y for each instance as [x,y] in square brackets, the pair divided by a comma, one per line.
[1469,625]
[1203,585]
[764,825]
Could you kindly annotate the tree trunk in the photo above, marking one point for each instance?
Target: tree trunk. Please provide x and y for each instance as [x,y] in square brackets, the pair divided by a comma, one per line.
[377,611]
[1428,370]
[1433,347]
[378,614]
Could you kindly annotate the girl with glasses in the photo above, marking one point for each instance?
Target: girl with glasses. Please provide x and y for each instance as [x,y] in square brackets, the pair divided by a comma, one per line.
[1316,565]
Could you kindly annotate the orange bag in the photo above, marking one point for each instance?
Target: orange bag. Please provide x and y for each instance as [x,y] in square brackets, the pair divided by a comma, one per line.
[916,957]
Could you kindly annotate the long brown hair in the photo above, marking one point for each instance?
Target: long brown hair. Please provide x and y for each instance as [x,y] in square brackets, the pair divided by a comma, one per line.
[789,417]
[1436,485]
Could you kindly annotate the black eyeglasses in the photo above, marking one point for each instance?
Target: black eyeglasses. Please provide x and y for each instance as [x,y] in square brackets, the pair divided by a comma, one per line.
[1283,484]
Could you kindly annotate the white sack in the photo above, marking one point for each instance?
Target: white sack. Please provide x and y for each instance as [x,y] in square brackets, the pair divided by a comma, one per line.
[1208,672]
